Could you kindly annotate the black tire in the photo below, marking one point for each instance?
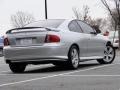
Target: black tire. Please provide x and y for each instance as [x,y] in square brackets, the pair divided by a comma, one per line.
[73,61]
[17,67]
[111,59]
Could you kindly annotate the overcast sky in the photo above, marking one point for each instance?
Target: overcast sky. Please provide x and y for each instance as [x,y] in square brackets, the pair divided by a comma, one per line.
[57,9]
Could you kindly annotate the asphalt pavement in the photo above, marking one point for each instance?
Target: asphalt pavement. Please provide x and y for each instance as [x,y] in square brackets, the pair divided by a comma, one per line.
[89,76]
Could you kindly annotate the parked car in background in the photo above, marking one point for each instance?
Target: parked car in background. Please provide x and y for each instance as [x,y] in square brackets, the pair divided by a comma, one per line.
[113,36]
[1,45]
[60,42]
[106,33]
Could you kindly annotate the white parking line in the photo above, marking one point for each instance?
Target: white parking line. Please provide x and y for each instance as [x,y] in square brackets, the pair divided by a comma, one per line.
[51,76]
[92,75]
[4,71]
[3,64]
[5,74]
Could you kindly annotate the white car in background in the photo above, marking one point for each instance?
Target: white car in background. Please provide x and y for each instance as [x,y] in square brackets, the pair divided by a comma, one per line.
[113,36]
[1,45]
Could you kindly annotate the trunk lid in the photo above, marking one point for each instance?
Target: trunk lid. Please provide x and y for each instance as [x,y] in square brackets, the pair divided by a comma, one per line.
[27,36]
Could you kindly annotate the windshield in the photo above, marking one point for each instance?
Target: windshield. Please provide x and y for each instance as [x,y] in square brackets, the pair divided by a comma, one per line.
[46,23]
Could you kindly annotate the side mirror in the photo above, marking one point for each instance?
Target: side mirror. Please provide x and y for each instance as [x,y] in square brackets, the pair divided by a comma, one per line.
[94,33]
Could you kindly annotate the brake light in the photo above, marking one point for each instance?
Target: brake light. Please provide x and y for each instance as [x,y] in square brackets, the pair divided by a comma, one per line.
[6,42]
[52,38]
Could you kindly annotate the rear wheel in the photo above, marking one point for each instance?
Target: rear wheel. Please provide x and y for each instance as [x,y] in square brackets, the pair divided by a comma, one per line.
[109,55]
[17,67]
[73,57]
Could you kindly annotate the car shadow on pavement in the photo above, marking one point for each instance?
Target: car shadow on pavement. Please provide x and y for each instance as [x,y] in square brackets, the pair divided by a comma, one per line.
[51,69]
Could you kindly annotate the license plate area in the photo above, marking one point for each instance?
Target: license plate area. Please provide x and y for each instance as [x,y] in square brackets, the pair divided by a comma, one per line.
[25,41]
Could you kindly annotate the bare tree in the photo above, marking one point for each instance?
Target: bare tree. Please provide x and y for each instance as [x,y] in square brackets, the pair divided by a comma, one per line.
[98,23]
[77,13]
[20,19]
[94,22]
[117,10]
[85,12]
[112,23]
[82,15]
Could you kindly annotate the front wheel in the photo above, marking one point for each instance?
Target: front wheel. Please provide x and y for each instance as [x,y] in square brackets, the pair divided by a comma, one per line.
[109,55]
[17,67]
[73,57]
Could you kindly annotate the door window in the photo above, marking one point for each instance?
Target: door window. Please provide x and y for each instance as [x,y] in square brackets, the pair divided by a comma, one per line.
[85,27]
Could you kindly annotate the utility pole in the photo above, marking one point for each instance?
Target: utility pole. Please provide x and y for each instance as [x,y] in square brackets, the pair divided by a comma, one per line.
[46,17]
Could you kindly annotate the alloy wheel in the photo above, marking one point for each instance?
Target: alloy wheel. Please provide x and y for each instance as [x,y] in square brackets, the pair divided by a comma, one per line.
[74,58]
[108,54]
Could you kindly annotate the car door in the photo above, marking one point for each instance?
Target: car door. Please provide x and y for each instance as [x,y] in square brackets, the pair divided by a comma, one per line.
[95,43]
[81,38]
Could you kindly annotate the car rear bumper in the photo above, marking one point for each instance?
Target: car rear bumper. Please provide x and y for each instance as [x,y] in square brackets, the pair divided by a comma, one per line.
[38,60]
[36,53]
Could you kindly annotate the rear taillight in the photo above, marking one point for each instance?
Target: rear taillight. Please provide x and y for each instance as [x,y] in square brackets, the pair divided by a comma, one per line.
[6,42]
[52,39]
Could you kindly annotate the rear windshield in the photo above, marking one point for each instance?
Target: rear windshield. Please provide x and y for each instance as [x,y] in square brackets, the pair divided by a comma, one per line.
[46,23]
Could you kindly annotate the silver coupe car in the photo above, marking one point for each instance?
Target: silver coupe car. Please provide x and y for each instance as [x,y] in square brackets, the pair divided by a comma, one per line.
[60,42]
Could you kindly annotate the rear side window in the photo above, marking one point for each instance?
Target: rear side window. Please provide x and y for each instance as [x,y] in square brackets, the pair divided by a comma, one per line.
[74,26]
[85,27]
